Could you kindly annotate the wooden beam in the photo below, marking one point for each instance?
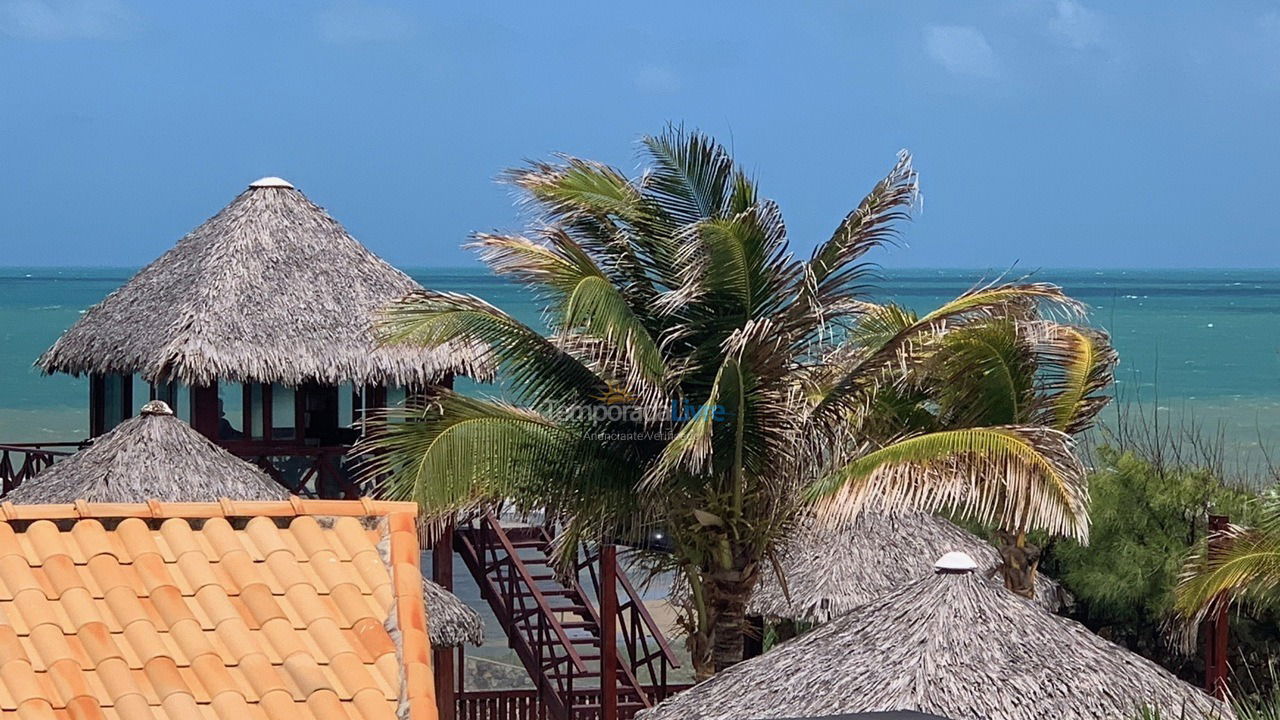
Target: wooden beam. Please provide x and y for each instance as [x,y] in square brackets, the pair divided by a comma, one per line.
[204,410]
[97,405]
[442,574]
[609,632]
[1216,628]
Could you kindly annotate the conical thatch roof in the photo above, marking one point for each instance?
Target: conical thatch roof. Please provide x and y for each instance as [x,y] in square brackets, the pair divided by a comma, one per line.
[450,622]
[947,643]
[830,572]
[154,456]
[271,289]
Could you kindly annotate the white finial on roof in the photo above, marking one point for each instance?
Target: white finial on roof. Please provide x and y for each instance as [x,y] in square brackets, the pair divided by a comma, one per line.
[156,407]
[271,181]
[955,562]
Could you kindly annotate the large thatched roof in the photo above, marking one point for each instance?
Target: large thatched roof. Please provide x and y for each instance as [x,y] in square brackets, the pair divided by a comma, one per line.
[947,643]
[271,289]
[154,456]
[830,572]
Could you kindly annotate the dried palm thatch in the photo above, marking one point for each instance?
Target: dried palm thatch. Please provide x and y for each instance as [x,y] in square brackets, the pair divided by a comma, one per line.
[951,644]
[154,456]
[829,572]
[271,289]
[450,622]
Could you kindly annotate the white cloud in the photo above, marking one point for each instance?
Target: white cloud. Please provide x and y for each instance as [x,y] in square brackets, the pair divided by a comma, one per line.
[64,19]
[961,49]
[349,22]
[657,79]
[1076,26]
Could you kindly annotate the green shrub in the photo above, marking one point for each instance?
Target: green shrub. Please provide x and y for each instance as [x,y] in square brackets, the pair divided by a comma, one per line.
[1146,516]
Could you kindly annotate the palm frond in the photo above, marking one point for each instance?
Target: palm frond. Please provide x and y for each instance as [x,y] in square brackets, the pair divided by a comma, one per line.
[848,391]
[834,273]
[1245,564]
[582,299]
[1077,367]
[537,370]
[985,374]
[1020,477]
[692,175]
[741,261]
[454,453]
[597,309]
[579,186]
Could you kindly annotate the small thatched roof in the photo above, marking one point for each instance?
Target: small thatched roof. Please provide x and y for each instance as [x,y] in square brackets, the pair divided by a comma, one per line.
[154,456]
[831,572]
[450,622]
[947,643]
[271,289]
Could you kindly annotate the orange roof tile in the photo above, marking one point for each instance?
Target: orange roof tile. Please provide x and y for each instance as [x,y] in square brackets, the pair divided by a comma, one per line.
[230,610]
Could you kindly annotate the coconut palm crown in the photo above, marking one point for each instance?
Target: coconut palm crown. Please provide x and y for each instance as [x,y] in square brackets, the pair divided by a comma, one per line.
[698,377]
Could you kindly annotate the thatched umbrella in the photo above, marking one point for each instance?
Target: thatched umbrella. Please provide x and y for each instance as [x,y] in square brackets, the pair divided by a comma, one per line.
[271,289]
[451,622]
[951,644]
[830,572]
[157,456]
[153,456]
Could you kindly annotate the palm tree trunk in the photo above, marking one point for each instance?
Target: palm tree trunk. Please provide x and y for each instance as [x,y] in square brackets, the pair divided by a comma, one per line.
[1019,561]
[728,591]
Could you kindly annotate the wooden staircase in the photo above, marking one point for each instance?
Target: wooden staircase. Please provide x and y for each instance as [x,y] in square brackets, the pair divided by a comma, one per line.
[555,627]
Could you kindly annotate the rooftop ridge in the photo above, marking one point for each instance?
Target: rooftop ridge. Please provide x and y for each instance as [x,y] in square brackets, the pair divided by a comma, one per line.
[293,507]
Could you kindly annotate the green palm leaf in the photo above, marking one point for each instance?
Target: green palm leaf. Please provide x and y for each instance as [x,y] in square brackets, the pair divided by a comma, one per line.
[1246,565]
[537,370]
[1078,367]
[692,175]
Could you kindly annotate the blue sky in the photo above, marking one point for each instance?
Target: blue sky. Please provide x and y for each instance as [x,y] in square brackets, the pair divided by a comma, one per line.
[1048,133]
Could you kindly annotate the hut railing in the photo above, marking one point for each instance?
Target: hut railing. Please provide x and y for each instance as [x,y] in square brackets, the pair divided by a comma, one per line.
[646,645]
[305,470]
[19,461]
[524,704]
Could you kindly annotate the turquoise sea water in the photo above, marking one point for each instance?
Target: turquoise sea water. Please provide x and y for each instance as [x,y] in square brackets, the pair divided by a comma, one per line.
[1198,346]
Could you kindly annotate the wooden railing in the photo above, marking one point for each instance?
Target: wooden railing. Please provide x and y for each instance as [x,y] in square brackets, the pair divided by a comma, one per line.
[534,629]
[645,643]
[305,470]
[19,461]
[522,704]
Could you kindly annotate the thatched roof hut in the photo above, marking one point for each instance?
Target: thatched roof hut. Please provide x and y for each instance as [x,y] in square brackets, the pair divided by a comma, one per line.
[947,643]
[830,572]
[153,456]
[271,289]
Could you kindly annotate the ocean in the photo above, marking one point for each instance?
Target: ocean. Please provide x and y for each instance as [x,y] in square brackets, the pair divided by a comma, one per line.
[1197,347]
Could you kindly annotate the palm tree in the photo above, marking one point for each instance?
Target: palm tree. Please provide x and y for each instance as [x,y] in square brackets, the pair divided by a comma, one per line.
[753,383]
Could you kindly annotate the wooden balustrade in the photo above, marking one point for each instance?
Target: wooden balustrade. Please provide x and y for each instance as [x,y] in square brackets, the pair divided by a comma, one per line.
[305,470]
[523,704]
[19,461]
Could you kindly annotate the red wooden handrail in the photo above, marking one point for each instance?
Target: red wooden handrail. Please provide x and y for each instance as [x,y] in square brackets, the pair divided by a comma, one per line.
[543,606]
[650,624]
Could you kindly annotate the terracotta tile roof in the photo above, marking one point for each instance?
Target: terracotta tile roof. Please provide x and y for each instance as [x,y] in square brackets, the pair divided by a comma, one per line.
[233,610]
